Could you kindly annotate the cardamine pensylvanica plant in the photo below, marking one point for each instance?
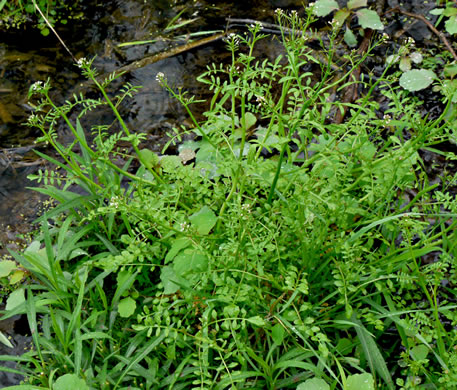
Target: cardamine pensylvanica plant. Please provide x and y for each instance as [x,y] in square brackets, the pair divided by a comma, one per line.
[278,250]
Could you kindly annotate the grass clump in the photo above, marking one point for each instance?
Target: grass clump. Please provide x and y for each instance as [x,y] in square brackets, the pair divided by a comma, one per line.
[277,250]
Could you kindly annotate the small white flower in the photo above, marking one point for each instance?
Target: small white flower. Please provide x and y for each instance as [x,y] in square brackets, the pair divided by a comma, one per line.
[114,202]
[183,226]
[159,76]
[81,62]
[261,100]
[36,86]
[278,11]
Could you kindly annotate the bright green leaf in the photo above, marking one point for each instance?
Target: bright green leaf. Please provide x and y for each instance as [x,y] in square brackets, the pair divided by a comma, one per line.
[278,333]
[419,352]
[251,119]
[256,320]
[150,159]
[450,11]
[417,79]
[69,382]
[16,298]
[17,276]
[178,245]
[190,261]
[203,220]
[126,307]
[340,16]
[324,7]
[350,38]
[437,11]
[357,3]
[314,384]
[6,266]
[450,70]
[4,340]
[360,382]
[170,163]
[168,278]
[451,25]
[369,19]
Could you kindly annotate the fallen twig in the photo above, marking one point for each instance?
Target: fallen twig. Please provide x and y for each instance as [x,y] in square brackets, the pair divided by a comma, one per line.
[429,25]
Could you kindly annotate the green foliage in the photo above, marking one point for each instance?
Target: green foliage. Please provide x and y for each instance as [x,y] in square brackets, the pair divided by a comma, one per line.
[280,250]
[15,13]
[367,18]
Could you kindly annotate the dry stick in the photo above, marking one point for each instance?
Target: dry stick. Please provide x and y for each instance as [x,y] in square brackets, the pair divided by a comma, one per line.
[54,31]
[430,26]
[170,53]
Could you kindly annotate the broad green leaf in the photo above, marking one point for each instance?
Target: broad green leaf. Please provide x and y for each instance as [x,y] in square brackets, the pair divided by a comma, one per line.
[149,158]
[324,7]
[340,16]
[251,120]
[6,266]
[4,340]
[417,79]
[357,3]
[178,245]
[231,311]
[314,384]
[69,382]
[450,70]
[360,382]
[126,307]
[256,320]
[203,220]
[369,19]
[437,11]
[170,280]
[278,333]
[170,163]
[419,352]
[451,25]
[190,261]
[16,298]
[450,11]
[350,38]
[17,276]
[405,64]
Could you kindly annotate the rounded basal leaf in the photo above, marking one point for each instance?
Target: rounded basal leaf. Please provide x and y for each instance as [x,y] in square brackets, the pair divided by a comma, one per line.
[416,57]
[405,64]
[16,298]
[324,7]
[357,4]
[417,79]
[451,25]
[6,266]
[340,16]
[350,38]
[360,382]
[278,333]
[126,307]
[369,19]
[69,382]
[314,384]
[203,220]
